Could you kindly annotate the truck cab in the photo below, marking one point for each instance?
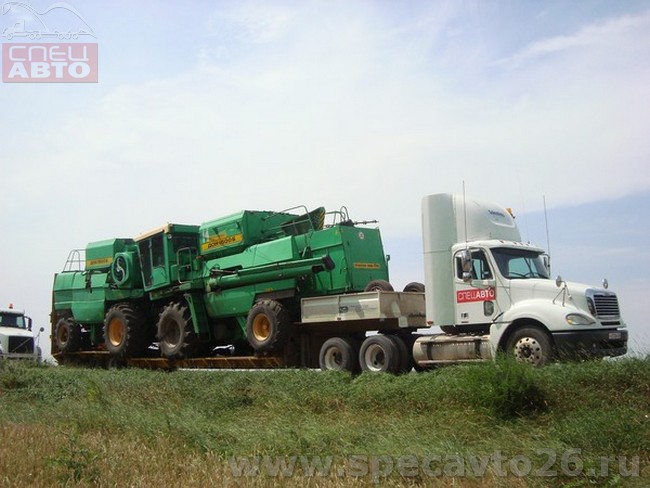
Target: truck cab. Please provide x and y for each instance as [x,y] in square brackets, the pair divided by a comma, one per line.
[16,338]
[482,279]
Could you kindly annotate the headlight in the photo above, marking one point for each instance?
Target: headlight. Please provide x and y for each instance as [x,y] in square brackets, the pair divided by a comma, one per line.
[579,319]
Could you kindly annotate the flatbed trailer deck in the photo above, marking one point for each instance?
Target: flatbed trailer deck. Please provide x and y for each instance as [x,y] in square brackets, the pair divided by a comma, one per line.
[322,318]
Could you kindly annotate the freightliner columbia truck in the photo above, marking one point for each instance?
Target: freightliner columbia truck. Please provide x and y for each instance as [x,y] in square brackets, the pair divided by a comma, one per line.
[266,289]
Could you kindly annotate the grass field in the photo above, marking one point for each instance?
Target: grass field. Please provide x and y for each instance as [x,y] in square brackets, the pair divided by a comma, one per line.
[496,424]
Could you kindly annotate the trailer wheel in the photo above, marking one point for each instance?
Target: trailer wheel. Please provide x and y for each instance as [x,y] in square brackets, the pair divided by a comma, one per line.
[530,345]
[379,354]
[414,286]
[176,336]
[267,326]
[405,362]
[67,335]
[125,333]
[339,354]
[379,285]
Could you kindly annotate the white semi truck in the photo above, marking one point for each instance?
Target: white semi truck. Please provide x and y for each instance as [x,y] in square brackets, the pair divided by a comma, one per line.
[16,337]
[488,291]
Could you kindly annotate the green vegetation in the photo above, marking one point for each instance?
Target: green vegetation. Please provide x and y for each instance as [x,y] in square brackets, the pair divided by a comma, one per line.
[496,424]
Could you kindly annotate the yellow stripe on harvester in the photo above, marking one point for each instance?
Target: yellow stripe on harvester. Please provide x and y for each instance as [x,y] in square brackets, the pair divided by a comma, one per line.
[366,265]
[99,262]
[221,241]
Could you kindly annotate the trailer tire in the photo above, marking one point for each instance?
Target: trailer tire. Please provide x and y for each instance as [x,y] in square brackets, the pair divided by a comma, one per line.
[339,354]
[379,285]
[267,326]
[176,336]
[405,362]
[531,345]
[379,354]
[414,286]
[125,331]
[67,335]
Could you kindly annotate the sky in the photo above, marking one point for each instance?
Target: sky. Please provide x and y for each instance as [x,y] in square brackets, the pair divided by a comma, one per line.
[202,109]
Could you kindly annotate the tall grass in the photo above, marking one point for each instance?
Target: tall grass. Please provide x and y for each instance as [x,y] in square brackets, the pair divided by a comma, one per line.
[81,427]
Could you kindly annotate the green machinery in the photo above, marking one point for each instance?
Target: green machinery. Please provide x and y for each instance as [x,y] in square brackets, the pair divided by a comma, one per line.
[235,281]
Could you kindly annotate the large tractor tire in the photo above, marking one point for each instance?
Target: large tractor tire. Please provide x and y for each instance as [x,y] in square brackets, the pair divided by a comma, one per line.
[176,336]
[125,331]
[380,354]
[379,285]
[530,345]
[339,354]
[67,335]
[267,326]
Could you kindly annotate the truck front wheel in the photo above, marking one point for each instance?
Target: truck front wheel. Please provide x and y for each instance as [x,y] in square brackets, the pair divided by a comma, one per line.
[267,326]
[530,345]
[338,354]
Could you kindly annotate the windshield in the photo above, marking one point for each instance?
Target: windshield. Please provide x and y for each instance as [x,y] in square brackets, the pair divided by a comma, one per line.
[520,263]
[12,320]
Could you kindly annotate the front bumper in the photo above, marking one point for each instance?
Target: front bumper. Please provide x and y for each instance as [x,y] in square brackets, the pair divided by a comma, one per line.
[591,343]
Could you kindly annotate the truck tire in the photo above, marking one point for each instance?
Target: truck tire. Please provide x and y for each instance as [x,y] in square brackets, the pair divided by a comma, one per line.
[414,286]
[339,354]
[125,333]
[379,285]
[67,335]
[267,326]
[176,336]
[531,345]
[379,354]
[405,361]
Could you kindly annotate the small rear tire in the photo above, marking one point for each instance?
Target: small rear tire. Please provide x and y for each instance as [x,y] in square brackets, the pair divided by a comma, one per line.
[414,286]
[67,335]
[379,285]
[176,335]
[267,326]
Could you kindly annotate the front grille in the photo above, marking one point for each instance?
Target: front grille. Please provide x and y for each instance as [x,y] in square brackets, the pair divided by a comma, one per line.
[606,305]
[21,344]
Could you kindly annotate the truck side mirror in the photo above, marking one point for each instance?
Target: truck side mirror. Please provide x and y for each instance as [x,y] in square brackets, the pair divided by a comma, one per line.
[466,265]
[28,320]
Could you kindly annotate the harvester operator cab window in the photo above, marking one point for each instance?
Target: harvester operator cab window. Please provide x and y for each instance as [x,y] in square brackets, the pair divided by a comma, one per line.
[151,256]
[480,267]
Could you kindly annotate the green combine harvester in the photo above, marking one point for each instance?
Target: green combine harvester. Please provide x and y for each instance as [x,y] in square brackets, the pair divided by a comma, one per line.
[231,284]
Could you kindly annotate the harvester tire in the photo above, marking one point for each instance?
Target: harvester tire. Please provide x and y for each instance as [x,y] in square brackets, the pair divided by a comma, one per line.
[339,354]
[267,326]
[67,335]
[379,285]
[530,345]
[176,336]
[414,286]
[379,354]
[125,331]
